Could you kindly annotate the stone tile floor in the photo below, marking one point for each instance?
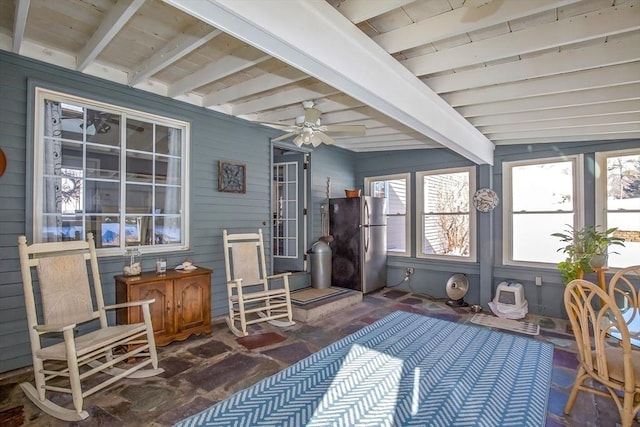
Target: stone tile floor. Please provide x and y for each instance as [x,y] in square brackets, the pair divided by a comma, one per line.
[203,370]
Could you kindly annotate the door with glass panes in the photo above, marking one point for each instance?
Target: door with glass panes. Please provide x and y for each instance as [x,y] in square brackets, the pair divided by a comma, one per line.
[288,200]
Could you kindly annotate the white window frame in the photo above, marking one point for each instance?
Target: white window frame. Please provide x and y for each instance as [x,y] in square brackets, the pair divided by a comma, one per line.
[507,204]
[407,227]
[419,242]
[42,94]
[601,198]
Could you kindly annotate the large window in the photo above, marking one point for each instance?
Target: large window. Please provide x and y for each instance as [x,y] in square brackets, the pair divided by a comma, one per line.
[541,197]
[395,190]
[446,222]
[618,202]
[117,173]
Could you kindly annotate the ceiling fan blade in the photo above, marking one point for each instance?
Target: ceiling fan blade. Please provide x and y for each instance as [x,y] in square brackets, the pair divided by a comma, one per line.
[311,115]
[325,138]
[285,136]
[354,130]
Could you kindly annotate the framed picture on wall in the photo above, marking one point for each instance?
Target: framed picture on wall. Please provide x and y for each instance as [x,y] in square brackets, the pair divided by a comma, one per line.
[232,177]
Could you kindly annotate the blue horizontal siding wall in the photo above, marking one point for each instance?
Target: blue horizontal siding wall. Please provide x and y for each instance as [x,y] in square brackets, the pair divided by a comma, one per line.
[214,137]
[430,275]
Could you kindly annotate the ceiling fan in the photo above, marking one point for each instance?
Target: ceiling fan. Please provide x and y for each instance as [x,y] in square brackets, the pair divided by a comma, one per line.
[309,130]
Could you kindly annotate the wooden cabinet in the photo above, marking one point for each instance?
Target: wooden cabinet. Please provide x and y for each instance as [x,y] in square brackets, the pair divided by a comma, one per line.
[182,302]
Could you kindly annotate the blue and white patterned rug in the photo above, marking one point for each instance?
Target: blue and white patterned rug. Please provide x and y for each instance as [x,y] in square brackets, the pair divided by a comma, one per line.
[403,370]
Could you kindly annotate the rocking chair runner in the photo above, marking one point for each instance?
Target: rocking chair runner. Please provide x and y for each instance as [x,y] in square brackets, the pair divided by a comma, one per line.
[65,303]
[248,285]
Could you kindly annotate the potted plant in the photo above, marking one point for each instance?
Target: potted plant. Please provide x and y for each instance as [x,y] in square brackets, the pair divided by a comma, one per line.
[585,248]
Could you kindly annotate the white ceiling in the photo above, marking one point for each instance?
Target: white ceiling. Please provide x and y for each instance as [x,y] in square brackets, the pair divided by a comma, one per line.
[466,75]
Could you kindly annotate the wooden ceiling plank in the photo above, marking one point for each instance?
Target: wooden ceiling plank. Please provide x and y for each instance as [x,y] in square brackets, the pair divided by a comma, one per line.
[565,61]
[615,107]
[357,11]
[175,49]
[460,21]
[584,97]
[19,23]
[253,86]
[572,138]
[113,22]
[558,123]
[286,97]
[215,71]
[580,80]
[583,130]
[387,146]
[601,23]
[289,31]
[328,105]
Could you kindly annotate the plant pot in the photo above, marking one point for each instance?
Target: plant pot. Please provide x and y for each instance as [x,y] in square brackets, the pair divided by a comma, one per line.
[598,260]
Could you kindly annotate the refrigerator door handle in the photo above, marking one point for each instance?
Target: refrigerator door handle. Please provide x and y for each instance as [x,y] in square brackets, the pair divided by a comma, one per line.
[367,238]
[367,215]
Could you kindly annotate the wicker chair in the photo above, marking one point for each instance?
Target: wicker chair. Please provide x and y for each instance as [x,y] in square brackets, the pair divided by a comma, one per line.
[608,361]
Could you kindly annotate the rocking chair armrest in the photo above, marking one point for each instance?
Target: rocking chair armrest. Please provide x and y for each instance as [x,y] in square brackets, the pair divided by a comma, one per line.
[279,275]
[59,327]
[129,304]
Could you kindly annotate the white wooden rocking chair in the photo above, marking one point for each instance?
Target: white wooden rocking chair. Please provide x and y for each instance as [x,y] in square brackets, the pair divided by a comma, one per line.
[248,285]
[65,302]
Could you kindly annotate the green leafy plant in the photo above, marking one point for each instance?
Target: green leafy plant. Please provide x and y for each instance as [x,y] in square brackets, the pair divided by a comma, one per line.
[581,246]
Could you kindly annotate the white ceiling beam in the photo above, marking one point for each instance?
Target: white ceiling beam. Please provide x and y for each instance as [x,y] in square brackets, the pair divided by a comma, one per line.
[615,107]
[19,23]
[580,80]
[612,52]
[113,22]
[285,97]
[357,11]
[559,133]
[344,58]
[220,69]
[608,119]
[577,138]
[616,19]
[460,21]
[254,86]
[173,50]
[557,100]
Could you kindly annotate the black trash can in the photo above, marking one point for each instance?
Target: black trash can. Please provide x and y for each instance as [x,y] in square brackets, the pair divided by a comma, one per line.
[320,255]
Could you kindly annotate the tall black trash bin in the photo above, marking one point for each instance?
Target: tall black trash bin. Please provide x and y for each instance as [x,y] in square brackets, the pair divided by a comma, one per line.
[320,255]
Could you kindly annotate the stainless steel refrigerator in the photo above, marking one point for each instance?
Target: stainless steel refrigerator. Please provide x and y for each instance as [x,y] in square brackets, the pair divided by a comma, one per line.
[359,247]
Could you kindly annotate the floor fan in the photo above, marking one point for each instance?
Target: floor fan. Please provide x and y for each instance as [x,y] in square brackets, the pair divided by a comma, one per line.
[457,287]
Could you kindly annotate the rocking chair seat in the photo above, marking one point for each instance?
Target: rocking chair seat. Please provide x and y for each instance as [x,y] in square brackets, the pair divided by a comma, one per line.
[92,341]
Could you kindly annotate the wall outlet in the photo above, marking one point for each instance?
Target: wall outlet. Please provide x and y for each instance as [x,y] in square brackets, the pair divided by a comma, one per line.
[410,271]
[538,281]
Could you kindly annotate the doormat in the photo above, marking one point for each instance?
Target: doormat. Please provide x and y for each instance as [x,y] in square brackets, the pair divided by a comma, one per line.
[309,295]
[506,324]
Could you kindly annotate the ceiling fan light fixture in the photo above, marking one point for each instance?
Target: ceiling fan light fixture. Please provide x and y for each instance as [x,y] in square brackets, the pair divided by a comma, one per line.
[298,140]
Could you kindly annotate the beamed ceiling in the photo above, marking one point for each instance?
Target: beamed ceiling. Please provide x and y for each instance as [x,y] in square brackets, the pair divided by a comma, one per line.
[463,74]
